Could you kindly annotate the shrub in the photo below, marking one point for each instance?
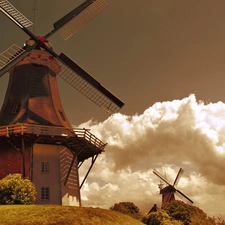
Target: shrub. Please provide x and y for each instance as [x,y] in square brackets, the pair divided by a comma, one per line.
[127,208]
[161,218]
[188,214]
[220,220]
[16,190]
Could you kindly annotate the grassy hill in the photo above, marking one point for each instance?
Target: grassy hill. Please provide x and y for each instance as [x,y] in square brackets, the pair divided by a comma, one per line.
[60,215]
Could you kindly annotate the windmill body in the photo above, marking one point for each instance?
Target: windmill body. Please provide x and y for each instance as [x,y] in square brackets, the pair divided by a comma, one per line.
[167,195]
[37,140]
[168,192]
[32,98]
[32,95]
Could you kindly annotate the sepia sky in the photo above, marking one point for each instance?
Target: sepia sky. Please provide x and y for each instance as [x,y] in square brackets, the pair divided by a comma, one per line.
[165,60]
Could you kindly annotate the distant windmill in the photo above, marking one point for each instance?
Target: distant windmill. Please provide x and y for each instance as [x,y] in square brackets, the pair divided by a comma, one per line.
[36,138]
[169,191]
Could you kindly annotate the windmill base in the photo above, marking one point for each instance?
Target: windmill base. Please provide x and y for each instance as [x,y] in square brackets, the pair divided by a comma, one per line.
[47,166]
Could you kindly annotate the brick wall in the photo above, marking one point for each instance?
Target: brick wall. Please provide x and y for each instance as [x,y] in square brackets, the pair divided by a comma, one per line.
[11,161]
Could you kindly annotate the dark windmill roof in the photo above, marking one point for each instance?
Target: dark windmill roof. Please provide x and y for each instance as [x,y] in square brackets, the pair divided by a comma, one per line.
[168,189]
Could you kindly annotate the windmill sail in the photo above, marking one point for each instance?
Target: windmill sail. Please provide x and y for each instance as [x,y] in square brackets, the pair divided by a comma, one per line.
[10,57]
[87,85]
[17,17]
[183,196]
[79,17]
[178,177]
[161,177]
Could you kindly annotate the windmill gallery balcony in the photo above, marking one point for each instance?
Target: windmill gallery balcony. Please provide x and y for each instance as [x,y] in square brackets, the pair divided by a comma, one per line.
[78,140]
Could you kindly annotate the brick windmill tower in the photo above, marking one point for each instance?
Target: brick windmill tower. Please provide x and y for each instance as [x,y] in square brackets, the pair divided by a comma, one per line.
[36,138]
[168,192]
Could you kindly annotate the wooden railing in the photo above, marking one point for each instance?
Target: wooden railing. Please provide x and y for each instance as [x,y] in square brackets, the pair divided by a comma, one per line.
[84,133]
[22,129]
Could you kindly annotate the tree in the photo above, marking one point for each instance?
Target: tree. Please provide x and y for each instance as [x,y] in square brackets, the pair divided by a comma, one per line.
[220,220]
[16,190]
[188,214]
[161,218]
[127,208]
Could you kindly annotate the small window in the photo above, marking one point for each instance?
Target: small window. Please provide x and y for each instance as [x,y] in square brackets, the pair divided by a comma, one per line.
[44,167]
[45,194]
[16,109]
[62,116]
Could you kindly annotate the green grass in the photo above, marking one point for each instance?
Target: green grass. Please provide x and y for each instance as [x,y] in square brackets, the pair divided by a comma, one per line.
[60,215]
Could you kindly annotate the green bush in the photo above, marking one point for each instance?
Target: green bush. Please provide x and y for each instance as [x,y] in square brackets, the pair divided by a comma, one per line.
[179,213]
[188,214]
[161,218]
[16,190]
[219,220]
[127,208]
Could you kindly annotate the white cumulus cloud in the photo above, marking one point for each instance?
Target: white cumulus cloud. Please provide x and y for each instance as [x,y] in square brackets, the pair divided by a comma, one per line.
[168,135]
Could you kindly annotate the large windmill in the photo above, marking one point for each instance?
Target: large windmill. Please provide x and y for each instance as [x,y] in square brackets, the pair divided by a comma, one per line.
[36,138]
[169,191]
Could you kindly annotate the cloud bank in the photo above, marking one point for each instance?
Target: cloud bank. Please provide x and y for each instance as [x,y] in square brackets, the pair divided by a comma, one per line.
[168,135]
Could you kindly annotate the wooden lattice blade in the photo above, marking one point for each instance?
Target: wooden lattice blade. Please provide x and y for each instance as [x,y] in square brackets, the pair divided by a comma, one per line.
[178,177]
[87,85]
[10,57]
[183,197]
[161,177]
[79,17]
[13,14]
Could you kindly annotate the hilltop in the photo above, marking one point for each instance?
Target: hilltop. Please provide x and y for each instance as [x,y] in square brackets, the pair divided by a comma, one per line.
[63,215]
